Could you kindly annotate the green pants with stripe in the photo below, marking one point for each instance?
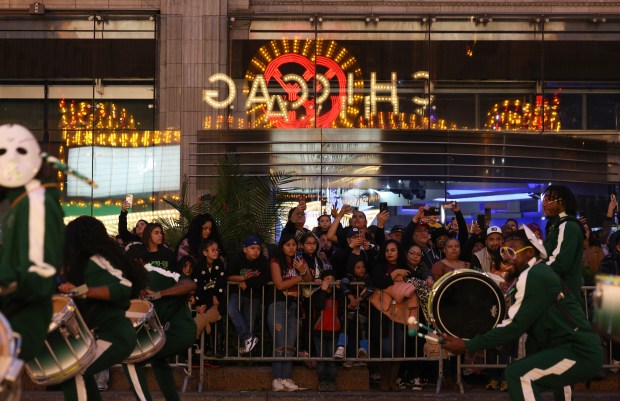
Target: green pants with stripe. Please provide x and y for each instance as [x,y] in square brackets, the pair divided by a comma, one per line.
[114,344]
[553,369]
[180,335]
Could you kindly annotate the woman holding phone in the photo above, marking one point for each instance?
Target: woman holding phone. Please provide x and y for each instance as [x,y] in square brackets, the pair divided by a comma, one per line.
[287,271]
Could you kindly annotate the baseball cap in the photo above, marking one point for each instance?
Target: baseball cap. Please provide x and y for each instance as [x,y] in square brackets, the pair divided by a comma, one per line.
[251,240]
[494,230]
[351,231]
[398,229]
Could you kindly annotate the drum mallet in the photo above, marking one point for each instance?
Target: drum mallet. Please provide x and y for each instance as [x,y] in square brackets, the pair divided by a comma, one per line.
[9,289]
[412,331]
[79,292]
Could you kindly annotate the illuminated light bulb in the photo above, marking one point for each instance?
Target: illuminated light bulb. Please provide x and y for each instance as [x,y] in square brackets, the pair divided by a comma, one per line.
[209,96]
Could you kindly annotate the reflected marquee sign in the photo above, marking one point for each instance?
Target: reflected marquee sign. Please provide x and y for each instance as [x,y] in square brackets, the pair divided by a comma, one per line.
[306,83]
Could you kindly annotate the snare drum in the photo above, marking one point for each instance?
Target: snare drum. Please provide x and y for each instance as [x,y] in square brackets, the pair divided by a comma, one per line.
[465,302]
[151,335]
[69,347]
[607,305]
[10,366]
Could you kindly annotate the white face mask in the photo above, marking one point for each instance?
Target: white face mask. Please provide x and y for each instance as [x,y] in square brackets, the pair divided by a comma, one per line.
[20,156]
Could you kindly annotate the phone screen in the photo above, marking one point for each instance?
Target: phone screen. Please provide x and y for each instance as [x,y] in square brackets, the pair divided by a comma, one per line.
[482,221]
[382,206]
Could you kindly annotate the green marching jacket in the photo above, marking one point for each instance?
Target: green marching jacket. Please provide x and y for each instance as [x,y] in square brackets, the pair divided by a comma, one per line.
[536,313]
[33,239]
[564,245]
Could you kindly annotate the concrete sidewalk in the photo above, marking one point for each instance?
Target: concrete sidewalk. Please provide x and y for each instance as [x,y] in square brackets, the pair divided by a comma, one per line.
[473,395]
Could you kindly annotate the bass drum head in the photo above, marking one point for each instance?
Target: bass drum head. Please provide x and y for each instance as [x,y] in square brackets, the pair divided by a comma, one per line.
[465,303]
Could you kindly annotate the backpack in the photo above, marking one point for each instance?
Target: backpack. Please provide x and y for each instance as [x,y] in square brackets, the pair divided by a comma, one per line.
[328,319]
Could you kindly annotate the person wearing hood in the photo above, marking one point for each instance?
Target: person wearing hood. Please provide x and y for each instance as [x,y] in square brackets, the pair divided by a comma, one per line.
[33,237]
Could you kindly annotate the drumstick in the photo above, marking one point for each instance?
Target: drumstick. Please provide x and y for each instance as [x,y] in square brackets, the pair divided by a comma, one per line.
[414,332]
[66,169]
[79,291]
[413,322]
[8,289]
[152,297]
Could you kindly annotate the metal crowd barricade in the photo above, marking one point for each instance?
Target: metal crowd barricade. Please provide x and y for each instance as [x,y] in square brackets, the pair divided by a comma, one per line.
[484,362]
[265,352]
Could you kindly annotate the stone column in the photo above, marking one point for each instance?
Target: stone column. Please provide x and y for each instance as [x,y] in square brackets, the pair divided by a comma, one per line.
[193,46]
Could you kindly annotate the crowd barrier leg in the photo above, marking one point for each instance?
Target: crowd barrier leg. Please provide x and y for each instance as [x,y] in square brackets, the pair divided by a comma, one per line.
[201,369]
[188,370]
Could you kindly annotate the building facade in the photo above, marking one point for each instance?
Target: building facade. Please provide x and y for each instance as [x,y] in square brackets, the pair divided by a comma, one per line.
[402,102]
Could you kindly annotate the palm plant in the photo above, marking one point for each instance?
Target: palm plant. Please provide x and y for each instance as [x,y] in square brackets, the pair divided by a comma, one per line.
[242,205]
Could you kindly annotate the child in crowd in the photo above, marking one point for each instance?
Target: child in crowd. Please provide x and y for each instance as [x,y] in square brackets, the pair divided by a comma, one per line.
[210,279]
[324,221]
[357,310]
[325,327]
[250,269]
[186,266]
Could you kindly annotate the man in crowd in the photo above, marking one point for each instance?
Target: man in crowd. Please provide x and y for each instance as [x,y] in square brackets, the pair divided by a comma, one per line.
[486,259]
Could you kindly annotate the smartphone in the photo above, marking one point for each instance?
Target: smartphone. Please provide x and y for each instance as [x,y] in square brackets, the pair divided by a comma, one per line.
[482,222]
[432,211]
[299,254]
[382,207]
[354,209]
[449,205]
[129,199]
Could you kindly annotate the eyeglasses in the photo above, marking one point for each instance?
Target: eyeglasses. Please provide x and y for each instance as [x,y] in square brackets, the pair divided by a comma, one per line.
[547,200]
[508,253]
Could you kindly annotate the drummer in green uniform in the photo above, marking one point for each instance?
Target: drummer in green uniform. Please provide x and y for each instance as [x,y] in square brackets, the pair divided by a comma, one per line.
[169,293]
[33,232]
[93,259]
[561,349]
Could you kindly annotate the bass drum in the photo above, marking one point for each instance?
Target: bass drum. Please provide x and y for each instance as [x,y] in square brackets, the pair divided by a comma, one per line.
[465,302]
[10,366]
[70,346]
[607,306]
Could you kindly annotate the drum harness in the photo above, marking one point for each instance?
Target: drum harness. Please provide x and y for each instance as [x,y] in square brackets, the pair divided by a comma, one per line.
[568,319]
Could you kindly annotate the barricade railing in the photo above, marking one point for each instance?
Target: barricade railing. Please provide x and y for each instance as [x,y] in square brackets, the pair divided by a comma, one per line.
[360,328]
[492,359]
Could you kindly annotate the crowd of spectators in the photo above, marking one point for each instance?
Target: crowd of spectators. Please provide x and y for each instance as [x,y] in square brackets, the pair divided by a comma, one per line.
[363,281]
